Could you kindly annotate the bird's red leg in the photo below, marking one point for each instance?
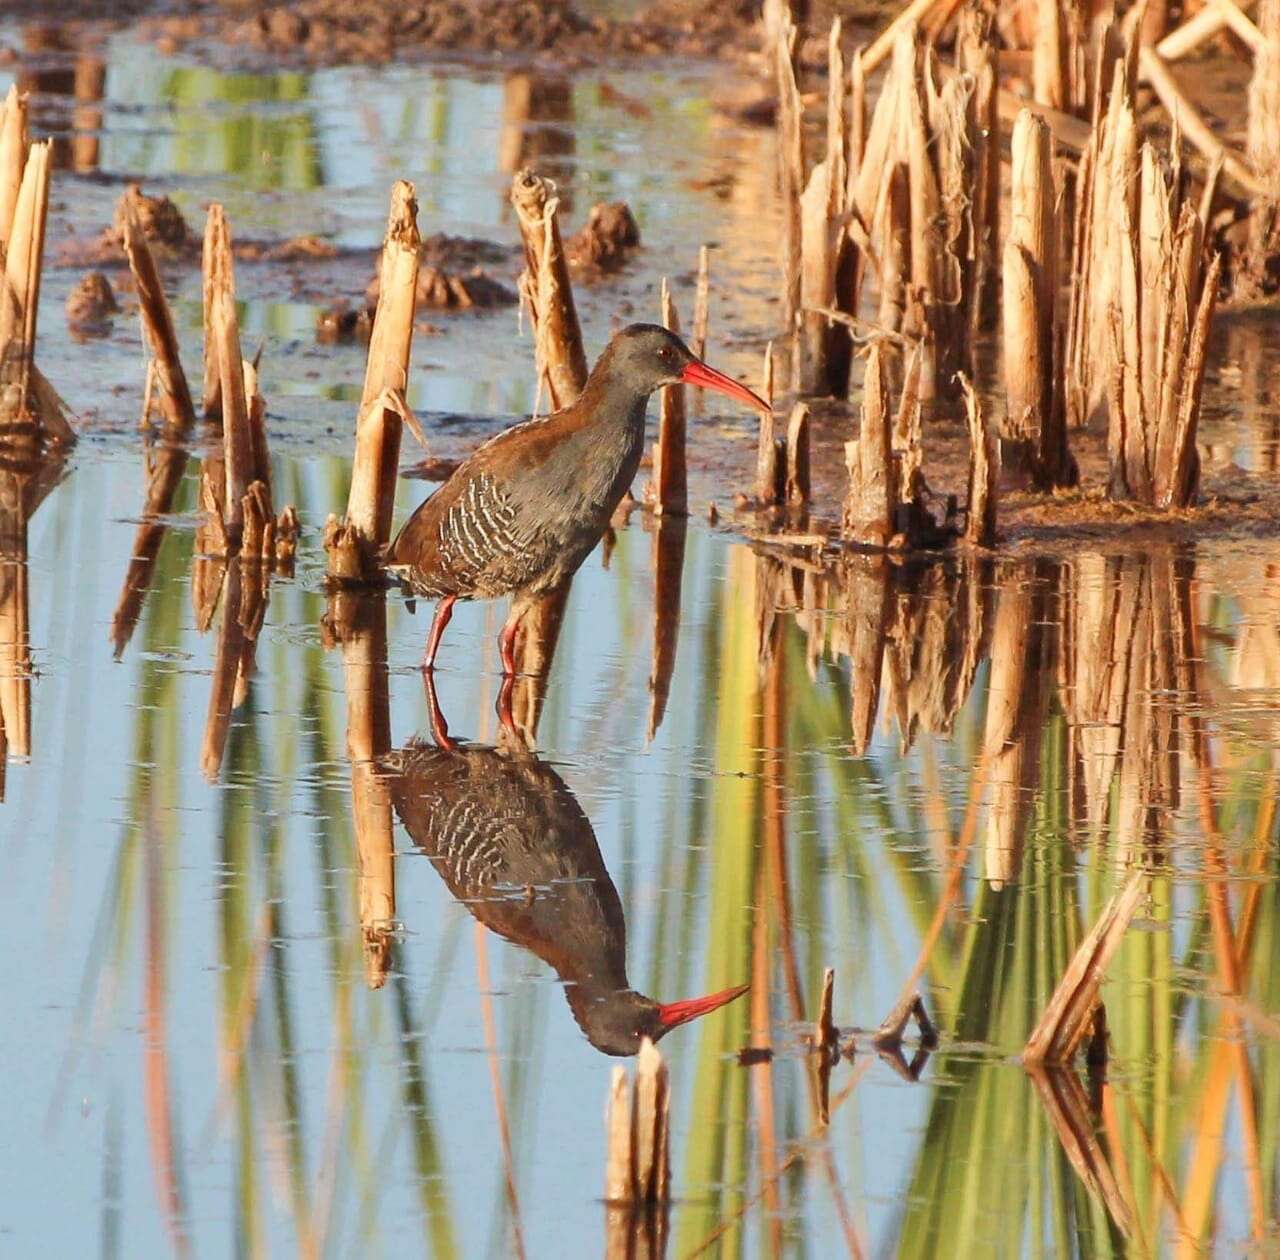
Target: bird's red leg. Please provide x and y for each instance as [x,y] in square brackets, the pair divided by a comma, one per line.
[444,610]
[507,641]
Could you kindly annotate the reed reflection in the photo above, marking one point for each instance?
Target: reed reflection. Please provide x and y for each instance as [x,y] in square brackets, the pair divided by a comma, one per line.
[512,844]
[25,482]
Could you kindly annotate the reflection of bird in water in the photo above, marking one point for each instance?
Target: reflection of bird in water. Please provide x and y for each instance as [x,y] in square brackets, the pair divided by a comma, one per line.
[512,843]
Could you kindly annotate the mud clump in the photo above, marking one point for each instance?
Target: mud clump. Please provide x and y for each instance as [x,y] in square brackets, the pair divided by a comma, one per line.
[342,322]
[296,249]
[442,290]
[162,224]
[461,253]
[90,306]
[605,242]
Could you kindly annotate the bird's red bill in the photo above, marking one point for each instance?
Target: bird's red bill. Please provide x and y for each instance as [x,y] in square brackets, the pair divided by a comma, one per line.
[698,373]
[674,1013]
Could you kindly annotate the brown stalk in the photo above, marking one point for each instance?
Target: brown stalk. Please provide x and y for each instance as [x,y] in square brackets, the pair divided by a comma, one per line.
[13,158]
[215,269]
[701,304]
[984,470]
[770,450]
[546,290]
[1065,1021]
[870,508]
[790,172]
[1049,59]
[157,326]
[797,487]
[226,670]
[976,56]
[670,476]
[355,546]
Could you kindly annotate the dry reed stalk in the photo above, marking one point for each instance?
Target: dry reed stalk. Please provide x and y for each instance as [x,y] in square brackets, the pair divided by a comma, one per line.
[824,243]
[886,41]
[237,442]
[1066,1020]
[174,394]
[13,158]
[825,1034]
[1035,435]
[797,485]
[1049,56]
[1250,279]
[355,545]
[670,475]
[976,57]
[870,508]
[638,1168]
[546,290]
[701,304]
[668,573]
[984,472]
[790,172]
[1159,324]
[216,269]
[771,460]
[29,405]
[15,642]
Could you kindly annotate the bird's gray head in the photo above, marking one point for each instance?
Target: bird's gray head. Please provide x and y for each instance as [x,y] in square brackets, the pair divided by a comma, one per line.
[616,1021]
[647,356]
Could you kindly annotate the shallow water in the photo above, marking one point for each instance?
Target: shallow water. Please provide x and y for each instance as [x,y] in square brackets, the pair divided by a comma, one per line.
[194,1059]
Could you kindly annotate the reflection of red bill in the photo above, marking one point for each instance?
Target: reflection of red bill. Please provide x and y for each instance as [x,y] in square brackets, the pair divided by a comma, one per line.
[698,373]
[674,1013]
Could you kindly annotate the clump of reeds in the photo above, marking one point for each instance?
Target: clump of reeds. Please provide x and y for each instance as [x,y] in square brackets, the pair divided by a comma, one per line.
[355,544]
[30,409]
[1142,302]
[638,1168]
[240,519]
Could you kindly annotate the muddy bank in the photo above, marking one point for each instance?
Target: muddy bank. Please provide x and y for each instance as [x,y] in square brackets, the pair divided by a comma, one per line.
[330,32]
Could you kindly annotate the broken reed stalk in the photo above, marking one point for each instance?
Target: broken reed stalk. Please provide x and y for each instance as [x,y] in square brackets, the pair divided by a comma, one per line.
[668,549]
[547,292]
[823,346]
[790,170]
[984,471]
[797,457]
[1068,1017]
[701,304]
[356,544]
[976,57]
[1250,277]
[29,405]
[915,188]
[826,1035]
[1035,434]
[771,451]
[670,475]
[638,1123]
[215,256]
[870,507]
[1159,324]
[168,379]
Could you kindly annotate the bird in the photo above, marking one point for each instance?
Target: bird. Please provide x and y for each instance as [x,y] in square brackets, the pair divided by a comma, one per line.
[522,513]
[513,845]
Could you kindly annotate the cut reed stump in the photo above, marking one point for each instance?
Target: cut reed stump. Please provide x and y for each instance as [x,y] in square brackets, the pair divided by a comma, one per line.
[238,495]
[1035,442]
[561,362]
[1069,1017]
[355,545]
[771,450]
[638,1120]
[166,380]
[669,536]
[546,291]
[31,413]
[670,473]
[984,472]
